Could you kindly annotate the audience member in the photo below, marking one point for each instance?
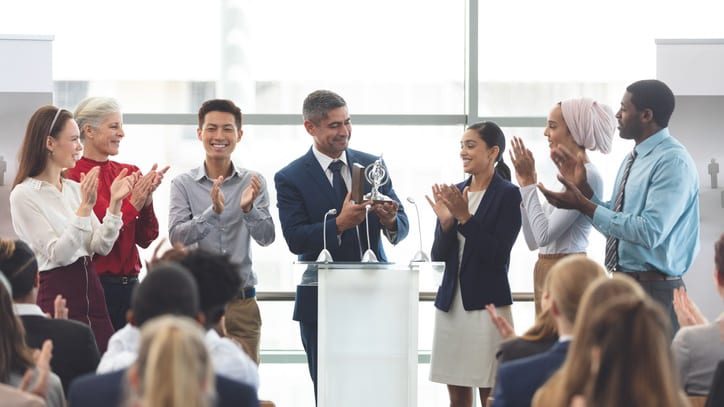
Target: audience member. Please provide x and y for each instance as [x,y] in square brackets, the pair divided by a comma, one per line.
[699,346]
[75,347]
[55,217]
[477,223]
[572,377]
[220,207]
[519,379]
[101,130]
[17,363]
[575,125]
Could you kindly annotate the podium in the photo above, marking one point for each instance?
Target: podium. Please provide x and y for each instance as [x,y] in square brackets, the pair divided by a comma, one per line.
[367,334]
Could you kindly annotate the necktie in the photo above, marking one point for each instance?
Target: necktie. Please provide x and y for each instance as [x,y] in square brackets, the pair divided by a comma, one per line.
[340,189]
[612,242]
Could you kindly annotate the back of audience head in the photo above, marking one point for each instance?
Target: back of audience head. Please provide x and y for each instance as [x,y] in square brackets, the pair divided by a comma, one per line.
[569,279]
[628,339]
[217,279]
[173,366]
[15,356]
[493,136]
[573,376]
[544,327]
[167,289]
[18,264]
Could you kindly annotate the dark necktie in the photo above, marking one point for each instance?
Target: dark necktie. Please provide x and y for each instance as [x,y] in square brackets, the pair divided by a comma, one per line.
[340,189]
[612,242]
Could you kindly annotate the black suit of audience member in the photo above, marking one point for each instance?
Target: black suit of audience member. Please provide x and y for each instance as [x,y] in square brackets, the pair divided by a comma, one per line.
[74,348]
[107,390]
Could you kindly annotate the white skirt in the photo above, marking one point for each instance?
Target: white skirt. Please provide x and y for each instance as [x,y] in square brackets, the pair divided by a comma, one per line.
[464,345]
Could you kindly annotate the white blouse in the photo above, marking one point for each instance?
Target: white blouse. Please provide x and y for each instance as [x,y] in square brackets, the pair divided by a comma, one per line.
[553,230]
[46,219]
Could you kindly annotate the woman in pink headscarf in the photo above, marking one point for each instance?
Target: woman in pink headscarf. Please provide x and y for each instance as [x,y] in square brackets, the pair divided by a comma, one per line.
[575,125]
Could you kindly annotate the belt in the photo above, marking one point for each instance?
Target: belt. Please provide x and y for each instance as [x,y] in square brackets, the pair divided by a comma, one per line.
[647,275]
[122,280]
[247,292]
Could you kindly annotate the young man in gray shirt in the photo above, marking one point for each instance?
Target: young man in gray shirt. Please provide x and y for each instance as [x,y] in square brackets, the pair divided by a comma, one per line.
[220,207]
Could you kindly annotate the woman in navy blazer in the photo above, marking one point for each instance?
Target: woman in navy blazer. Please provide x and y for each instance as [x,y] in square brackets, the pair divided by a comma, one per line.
[478,222]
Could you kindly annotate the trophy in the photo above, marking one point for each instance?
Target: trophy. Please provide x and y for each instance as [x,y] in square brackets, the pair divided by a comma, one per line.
[376,175]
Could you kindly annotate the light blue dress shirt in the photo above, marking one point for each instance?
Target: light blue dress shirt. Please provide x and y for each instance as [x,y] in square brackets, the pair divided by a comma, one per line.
[659,225]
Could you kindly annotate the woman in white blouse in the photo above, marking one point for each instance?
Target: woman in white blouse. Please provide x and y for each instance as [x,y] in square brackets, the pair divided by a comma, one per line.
[575,125]
[55,216]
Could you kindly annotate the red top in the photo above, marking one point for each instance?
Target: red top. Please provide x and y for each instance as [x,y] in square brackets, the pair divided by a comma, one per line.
[139,228]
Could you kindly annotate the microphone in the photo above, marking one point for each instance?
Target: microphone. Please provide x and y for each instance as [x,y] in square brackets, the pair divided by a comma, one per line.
[325,256]
[420,256]
[369,256]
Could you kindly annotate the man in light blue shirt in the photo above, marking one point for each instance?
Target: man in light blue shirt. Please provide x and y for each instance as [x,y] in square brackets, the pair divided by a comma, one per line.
[652,219]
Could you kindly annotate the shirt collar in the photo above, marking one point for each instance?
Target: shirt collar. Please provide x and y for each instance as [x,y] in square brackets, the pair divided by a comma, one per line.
[199,173]
[28,309]
[647,145]
[324,160]
[565,338]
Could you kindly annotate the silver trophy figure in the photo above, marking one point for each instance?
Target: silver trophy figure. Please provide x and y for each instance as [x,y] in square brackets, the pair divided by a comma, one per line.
[376,175]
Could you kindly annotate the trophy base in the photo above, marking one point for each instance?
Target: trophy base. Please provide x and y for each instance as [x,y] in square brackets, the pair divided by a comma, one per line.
[378,198]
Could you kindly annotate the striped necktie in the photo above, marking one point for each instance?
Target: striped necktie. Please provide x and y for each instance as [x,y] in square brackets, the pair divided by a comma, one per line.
[612,242]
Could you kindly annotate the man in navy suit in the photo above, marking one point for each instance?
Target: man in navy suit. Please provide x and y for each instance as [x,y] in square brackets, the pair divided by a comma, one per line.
[317,182]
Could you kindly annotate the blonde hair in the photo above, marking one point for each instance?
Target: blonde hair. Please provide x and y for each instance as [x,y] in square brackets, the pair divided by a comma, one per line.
[569,279]
[574,374]
[173,367]
[93,110]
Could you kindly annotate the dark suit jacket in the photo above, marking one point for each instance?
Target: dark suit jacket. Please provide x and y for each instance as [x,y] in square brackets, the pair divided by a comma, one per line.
[304,195]
[489,237]
[107,390]
[518,348]
[74,347]
[519,379]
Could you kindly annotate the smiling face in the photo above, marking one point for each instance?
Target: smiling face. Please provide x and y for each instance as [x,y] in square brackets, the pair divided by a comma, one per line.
[556,130]
[219,135]
[104,140]
[476,155]
[332,134]
[65,149]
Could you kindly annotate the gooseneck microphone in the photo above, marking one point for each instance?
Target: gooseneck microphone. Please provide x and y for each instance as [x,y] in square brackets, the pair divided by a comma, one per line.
[369,256]
[325,256]
[420,256]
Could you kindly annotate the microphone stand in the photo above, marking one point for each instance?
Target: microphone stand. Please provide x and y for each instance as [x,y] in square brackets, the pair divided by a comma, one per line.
[420,256]
[369,256]
[325,256]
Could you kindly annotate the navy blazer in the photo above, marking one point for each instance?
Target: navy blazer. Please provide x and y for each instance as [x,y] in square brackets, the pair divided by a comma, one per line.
[518,380]
[107,390]
[489,238]
[304,195]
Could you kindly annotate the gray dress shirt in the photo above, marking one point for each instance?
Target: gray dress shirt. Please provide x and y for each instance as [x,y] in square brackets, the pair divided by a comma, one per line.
[192,221]
[697,350]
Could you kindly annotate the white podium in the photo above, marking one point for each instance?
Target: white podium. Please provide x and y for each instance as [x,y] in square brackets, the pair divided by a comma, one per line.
[367,334]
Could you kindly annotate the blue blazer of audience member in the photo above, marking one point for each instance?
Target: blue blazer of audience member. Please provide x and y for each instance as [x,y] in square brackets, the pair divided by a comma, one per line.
[518,380]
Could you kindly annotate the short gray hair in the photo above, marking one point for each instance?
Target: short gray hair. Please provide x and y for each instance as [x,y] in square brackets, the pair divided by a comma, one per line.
[320,102]
[93,110]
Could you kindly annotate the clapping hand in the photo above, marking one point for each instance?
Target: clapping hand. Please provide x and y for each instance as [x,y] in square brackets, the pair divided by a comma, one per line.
[88,191]
[42,364]
[217,196]
[501,324]
[251,192]
[523,162]
[387,213]
[687,313]
[572,167]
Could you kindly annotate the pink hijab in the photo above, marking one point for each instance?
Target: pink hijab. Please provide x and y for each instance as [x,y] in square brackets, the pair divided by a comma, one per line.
[591,123]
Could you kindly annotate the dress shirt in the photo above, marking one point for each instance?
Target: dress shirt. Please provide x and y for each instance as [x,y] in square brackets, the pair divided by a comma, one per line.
[658,227]
[192,219]
[28,309]
[554,230]
[139,227]
[122,350]
[230,360]
[46,219]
